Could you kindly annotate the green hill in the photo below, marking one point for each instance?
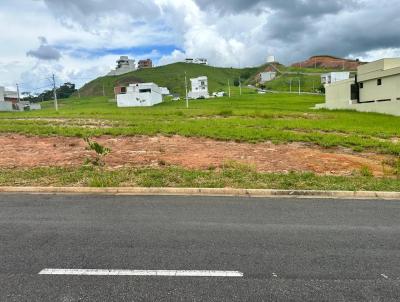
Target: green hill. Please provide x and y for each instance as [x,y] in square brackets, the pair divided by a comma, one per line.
[171,76]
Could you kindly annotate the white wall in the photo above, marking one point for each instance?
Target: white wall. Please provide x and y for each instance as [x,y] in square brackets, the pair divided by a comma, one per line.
[2,90]
[135,98]
[199,88]
[6,106]
[267,76]
[338,96]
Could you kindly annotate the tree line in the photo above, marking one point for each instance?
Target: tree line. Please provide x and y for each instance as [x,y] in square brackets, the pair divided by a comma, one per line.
[63,92]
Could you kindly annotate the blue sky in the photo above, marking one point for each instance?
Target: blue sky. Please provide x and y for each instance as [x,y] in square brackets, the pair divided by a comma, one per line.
[79,40]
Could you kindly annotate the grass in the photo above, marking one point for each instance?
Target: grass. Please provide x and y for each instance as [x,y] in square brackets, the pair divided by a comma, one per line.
[279,118]
[230,176]
[308,83]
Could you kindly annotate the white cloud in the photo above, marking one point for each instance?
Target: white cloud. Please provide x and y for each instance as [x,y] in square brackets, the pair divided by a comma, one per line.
[87,33]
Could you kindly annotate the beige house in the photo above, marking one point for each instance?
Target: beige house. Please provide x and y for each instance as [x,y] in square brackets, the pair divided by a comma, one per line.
[376,88]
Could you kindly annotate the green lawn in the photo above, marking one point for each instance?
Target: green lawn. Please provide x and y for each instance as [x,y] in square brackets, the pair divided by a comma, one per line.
[252,118]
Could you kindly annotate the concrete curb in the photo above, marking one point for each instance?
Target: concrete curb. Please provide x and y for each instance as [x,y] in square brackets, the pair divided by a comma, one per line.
[204,192]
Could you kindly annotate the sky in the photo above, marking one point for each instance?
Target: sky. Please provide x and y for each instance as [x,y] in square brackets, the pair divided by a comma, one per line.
[79,40]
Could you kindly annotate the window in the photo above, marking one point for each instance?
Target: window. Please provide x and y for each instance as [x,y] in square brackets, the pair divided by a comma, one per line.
[144,90]
[361,85]
[379,82]
[123,90]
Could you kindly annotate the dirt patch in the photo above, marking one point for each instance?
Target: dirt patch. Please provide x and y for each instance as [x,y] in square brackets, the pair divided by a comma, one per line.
[19,151]
[85,123]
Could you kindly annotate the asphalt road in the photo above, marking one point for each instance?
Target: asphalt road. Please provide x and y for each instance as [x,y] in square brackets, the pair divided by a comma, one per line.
[287,249]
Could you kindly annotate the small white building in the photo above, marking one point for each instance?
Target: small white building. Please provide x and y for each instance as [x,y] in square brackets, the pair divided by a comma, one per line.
[200,61]
[124,65]
[140,95]
[199,88]
[165,91]
[271,59]
[267,76]
[333,77]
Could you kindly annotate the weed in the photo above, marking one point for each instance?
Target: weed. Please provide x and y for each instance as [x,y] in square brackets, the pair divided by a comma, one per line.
[101,152]
[225,113]
[366,171]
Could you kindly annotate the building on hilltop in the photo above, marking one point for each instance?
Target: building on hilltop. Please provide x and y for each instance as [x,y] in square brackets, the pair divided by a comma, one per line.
[145,64]
[200,61]
[124,65]
[329,62]
[374,89]
[199,88]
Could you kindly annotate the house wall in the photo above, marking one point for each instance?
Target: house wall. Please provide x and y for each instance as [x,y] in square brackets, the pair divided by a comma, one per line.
[389,90]
[135,98]
[338,96]
[199,88]
[6,106]
[2,90]
[267,76]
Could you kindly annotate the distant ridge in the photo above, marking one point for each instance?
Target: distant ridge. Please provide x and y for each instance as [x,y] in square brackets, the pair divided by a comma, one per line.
[329,62]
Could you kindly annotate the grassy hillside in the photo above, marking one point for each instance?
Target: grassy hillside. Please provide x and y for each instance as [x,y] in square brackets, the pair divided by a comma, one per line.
[171,76]
[308,83]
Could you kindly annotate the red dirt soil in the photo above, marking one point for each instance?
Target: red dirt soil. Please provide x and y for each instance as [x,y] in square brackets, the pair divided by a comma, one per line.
[328,62]
[19,151]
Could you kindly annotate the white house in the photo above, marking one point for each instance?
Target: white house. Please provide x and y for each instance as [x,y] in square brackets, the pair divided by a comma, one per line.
[333,77]
[124,65]
[140,95]
[200,61]
[199,88]
[264,77]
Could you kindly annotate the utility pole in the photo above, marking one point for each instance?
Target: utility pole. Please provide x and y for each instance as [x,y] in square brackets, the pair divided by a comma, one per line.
[299,87]
[18,97]
[186,89]
[79,93]
[55,93]
[240,85]
[104,93]
[290,85]
[229,88]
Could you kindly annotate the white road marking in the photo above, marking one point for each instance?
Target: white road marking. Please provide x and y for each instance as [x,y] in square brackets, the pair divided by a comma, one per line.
[384,276]
[154,273]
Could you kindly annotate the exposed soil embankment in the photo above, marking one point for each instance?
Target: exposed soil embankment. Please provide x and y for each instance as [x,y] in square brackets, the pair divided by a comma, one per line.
[19,151]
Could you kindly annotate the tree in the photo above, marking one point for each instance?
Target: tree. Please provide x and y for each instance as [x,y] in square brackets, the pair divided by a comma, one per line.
[66,90]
